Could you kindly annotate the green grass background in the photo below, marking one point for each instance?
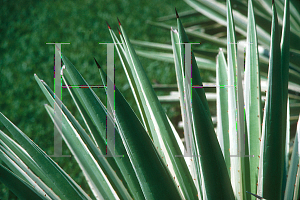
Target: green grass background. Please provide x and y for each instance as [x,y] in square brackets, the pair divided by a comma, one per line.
[26,27]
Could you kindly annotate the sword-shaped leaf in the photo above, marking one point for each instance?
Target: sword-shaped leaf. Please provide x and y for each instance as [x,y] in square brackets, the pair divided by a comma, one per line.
[272,148]
[19,187]
[235,159]
[252,98]
[23,171]
[292,177]
[94,175]
[285,59]
[216,178]
[106,166]
[222,107]
[164,138]
[96,111]
[53,176]
[153,175]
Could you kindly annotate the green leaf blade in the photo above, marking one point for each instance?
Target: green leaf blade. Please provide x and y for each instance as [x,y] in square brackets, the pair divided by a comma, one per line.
[94,175]
[57,181]
[154,177]
[273,133]
[159,125]
[96,112]
[19,187]
[235,159]
[215,174]
[292,174]
[222,108]
[285,59]
[252,98]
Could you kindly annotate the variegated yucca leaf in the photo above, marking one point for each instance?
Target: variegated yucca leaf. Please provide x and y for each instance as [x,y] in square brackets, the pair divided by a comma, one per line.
[246,158]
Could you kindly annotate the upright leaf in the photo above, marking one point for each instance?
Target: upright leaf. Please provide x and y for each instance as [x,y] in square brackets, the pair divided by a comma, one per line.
[285,55]
[197,80]
[159,125]
[235,160]
[184,91]
[222,107]
[217,12]
[216,179]
[95,109]
[154,177]
[252,98]
[197,87]
[120,47]
[292,177]
[273,133]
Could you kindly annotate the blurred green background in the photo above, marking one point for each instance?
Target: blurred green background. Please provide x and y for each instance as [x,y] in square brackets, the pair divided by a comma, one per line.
[26,27]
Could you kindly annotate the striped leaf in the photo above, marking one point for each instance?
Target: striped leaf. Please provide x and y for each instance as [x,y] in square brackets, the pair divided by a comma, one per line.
[159,125]
[222,107]
[252,98]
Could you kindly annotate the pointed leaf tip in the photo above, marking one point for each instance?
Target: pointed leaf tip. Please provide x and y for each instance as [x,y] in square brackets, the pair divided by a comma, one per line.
[119,21]
[97,63]
[119,31]
[259,197]
[108,25]
[177,16]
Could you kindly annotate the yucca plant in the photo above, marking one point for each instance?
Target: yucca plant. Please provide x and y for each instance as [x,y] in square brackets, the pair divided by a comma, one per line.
[206,22]
[151,161]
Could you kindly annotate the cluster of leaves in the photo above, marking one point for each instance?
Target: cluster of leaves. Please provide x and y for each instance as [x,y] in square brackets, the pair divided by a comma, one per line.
[151,161]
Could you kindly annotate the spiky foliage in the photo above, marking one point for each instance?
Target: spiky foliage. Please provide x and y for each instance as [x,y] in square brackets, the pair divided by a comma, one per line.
[151,160]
